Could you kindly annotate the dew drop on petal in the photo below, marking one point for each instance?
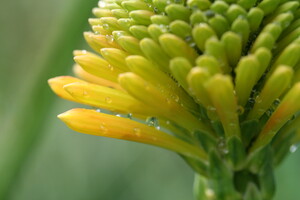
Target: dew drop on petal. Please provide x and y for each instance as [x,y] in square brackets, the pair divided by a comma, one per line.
[109,38]
[240,110]
[105,26]
[103,128]
[137,131]
[293,148]
[108,100]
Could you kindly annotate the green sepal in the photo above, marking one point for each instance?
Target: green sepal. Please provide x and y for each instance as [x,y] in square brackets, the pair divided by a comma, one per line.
[197,165]
[207,141]
[200,186]
[176,11]
[236,152]
[255,17]
[252,192]
[219,168]
[267,181]
[139,31]
[282,145]
[221,178]
[181,29]
[258,159]
[249,129]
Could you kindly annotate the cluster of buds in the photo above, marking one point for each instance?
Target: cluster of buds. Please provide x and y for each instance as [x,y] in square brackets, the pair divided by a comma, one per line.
[215,81]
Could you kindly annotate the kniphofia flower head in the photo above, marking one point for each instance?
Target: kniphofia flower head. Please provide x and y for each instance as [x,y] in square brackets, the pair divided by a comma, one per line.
[215,81]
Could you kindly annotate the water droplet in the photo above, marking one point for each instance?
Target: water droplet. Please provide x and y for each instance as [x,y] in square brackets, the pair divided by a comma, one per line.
[175,97]
[293,148]
[240,110]
[103,128]
[85,93]
[137,131]
[118,115]
[110,67]
[98,110]
[209,193]
[109,38]
[269,112]
[108,100]
[156,10]
[157,127]
[152,121]
[211,108]
[102,4]
[209,14]
[222,145]
[169,101]
[129,115]
[105,26]
[188,38]
[258,99]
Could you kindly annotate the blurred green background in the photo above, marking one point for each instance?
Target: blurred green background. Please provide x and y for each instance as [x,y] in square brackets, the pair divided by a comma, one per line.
[42,159]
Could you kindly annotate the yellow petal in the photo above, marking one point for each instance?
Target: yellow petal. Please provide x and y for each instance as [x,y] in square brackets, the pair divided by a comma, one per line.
[97,66]
[100,124]
[221,93]
[165,106]
[286,109]
[79,72]
[57,84]
[104,97]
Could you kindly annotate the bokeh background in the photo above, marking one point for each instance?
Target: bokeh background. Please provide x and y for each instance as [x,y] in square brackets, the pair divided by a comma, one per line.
[42,159]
